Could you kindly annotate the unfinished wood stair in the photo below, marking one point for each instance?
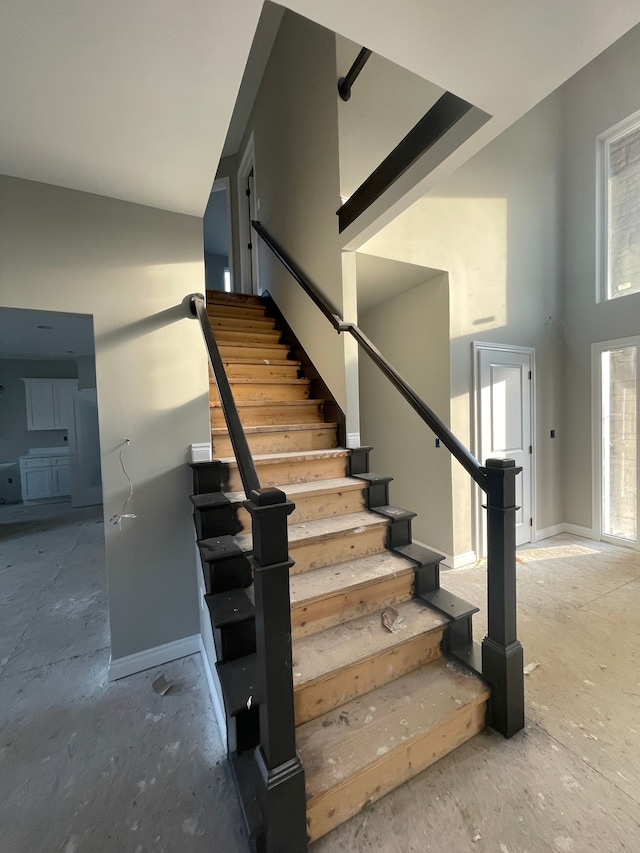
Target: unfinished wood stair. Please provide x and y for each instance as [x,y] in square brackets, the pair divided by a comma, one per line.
[375,700]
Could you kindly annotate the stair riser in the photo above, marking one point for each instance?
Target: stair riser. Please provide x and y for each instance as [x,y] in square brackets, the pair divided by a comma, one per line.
[322,613]
[260,371]
[266,351]
[395,767]
[317,698]
[245,391]
[252,336]
[313,554]
[261,324]
[271,415]
[317,506]
[282,472]
[279,442]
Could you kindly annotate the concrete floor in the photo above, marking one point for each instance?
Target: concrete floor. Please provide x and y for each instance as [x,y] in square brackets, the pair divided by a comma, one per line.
[90,766]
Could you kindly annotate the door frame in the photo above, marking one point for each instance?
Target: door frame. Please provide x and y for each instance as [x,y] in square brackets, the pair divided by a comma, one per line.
[597,349]
[477,347]
[248,257]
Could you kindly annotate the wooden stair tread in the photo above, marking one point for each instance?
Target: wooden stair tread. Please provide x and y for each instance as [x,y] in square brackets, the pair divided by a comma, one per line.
[226,321]
[365,731]
[317,656]
[231,345]
[304,456]
[328,528]
[318,487]
[259,362]
[231,298]
[250,380]
[273,438]
[256,336]
[222,309]
[340,577]
[323,528]
[240,404]
[264,428]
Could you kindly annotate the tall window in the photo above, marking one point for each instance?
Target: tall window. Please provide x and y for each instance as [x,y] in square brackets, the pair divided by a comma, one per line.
[619,378]
[620,209]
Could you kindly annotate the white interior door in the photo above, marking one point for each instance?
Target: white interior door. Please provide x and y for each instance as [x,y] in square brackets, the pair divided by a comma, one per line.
[84,450]
[505,426]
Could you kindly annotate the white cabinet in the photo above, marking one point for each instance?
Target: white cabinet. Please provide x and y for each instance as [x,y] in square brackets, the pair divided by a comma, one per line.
[50,403]
[35,481]
[44,477]
[60,477]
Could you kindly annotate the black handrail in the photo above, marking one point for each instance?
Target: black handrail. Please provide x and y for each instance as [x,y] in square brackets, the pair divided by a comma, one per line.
[441,430]
[502,654]
[280,775]
[345,83]
[247,469]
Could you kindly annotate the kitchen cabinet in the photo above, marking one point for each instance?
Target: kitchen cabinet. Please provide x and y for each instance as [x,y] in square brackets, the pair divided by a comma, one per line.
[44,477]
[60,477]
[50,403]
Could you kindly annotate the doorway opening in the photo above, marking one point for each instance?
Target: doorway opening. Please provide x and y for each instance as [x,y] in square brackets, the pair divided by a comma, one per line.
[216,232]
[49,436]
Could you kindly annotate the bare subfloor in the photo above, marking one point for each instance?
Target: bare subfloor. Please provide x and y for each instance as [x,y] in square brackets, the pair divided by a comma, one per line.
[90,766]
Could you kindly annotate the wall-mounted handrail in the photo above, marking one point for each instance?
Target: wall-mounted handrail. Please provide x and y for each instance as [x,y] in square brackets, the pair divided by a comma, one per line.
[441,430]
[345,83]
[246,468]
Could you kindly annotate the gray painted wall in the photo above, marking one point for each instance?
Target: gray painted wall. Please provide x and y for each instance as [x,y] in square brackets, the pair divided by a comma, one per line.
[387,101]
[86,372]
[601,95]
[130,267]
[295,127]
[403,447]
[495,228]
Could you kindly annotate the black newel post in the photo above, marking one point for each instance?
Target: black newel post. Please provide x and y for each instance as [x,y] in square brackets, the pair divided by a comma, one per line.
[502,657]
[282,794]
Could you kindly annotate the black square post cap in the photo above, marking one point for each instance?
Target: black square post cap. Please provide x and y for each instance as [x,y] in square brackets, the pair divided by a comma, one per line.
[267,497]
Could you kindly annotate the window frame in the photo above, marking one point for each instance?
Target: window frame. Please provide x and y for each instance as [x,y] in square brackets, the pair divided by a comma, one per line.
[603,142]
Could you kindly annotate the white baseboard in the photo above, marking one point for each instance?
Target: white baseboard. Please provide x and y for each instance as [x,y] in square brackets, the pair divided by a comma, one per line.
[138,662]
[548,532]
[353,439]
[213,690]
[576,530]
[460,561]
[201,451]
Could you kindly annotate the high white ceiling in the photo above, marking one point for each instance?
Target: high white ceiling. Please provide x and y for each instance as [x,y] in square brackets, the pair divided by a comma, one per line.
[133,99]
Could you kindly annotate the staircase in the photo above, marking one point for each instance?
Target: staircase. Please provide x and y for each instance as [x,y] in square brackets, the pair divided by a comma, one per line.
[376,697]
